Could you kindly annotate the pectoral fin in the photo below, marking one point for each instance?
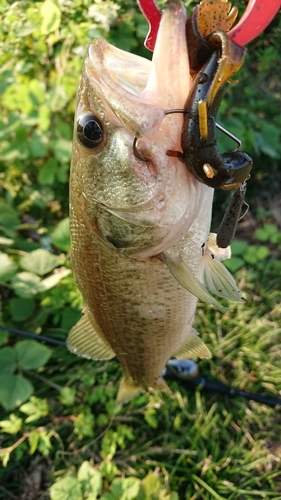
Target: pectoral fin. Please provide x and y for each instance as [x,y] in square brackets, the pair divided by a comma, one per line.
[189,281]
[84,340]
[193,348]
[216,277]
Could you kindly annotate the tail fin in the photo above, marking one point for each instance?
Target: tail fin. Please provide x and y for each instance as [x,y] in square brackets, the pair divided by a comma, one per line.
[126,392]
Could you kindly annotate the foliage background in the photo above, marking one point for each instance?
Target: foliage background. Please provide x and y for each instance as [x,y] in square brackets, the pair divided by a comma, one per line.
[61,434]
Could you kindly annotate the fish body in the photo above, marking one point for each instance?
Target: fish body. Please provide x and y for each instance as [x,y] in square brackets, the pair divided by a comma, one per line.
[139,229]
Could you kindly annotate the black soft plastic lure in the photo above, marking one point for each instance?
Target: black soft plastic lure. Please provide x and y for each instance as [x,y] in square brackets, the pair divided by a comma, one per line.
[199,138]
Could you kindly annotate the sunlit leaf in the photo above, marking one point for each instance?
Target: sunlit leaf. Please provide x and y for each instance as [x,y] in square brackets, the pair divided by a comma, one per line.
[39,262]
[51,17]
[35,408]
[61,235]
[6,241]
[11,426]
[90,479]
[52,280]
[67,488]
[62,150]
[7,268]
[25,284]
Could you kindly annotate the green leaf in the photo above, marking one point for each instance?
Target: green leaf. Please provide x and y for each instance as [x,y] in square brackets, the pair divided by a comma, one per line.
[63,173]
[67,488]
[256,253]
[52,280]
[238,247]
[69,317]
[62,150]
[84,425]
[21,309]
[3,336]
[44,115]
[5,457]
[35,408]
[39,262]
[61,235]
[37,146]
[7,268]
[14,390]
[51,17]
[234,264]
[8,216]
[7,360]
[6,241]
[131,487]
[47,173]
[265,233]
[152,484]
[31,354]
[109,470]
[67,396]
[25,284]
[90,479]
[33,440]
[150,418]
[44,445]
[262,252]
[11,426]
[126,489]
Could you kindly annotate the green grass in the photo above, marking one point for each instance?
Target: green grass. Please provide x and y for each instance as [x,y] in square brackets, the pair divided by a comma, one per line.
[200,444]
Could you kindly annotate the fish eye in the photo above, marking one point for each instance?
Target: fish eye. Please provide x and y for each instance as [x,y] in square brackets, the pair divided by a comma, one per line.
[90,130]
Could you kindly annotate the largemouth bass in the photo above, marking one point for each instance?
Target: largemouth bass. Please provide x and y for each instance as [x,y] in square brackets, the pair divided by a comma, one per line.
[141,250]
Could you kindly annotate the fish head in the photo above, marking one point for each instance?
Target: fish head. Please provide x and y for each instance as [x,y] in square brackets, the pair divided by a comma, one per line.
[122,98]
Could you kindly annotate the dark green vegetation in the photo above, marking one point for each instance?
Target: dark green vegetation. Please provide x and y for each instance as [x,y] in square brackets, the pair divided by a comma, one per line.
[60,428]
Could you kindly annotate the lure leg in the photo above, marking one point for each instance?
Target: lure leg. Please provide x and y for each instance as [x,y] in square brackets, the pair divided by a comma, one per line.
[231,218]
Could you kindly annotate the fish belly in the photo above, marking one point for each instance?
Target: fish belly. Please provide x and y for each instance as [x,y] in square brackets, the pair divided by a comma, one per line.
[142,311]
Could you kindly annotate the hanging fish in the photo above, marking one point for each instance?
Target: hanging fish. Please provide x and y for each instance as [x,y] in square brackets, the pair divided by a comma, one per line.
[141,250]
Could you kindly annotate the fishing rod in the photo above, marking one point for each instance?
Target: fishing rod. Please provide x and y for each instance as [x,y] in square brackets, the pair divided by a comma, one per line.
[182,370]
[186,371]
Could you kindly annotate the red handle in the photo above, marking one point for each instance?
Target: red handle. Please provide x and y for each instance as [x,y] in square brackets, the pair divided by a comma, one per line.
[257,16]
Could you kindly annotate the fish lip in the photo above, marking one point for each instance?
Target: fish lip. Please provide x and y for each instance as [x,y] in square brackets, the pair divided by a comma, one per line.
[136,67]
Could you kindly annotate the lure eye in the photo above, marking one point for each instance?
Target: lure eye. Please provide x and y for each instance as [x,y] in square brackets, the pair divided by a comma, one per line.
[90,130]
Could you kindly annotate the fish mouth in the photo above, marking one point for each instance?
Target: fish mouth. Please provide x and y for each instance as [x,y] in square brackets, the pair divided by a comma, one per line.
[139,91]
